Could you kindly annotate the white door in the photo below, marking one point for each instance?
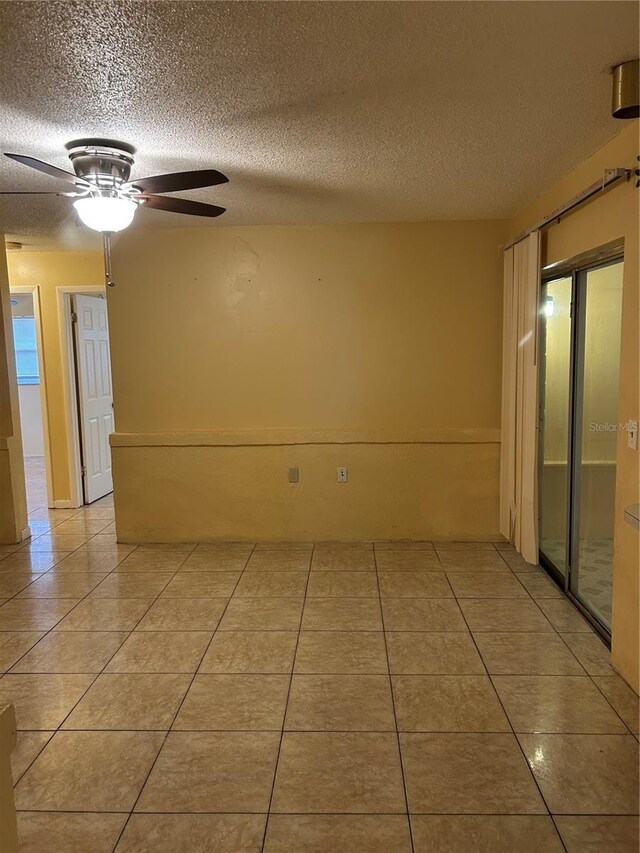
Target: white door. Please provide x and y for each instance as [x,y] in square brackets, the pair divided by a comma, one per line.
[95,399]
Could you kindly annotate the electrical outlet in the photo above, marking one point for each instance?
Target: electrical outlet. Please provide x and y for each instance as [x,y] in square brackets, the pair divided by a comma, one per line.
[343,475]
[632,434]
[294,475]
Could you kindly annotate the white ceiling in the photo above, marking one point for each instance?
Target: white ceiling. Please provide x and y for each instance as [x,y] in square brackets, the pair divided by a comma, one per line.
[317,111]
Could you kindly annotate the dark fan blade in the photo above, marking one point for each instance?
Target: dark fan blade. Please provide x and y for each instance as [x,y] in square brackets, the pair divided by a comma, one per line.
[176,181]
[29,192]
[181,205]
[46,168]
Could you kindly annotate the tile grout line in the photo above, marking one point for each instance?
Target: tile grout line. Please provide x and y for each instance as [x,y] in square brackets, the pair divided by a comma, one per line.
[340,814]
[129,633]
[553,627]
[96,675]
[611,705]
[83,630]
[175,716]
[169,580]
[514,735]
[591,633]
[53,627]
[341,731]
[589,675]
[46,633]
[24,549]
[263,672]
[561,634]
[50,569]
[393,705]
[286,704]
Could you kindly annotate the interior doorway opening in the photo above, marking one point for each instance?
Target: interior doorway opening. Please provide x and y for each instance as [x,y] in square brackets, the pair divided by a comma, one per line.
[25,318]
[76,400]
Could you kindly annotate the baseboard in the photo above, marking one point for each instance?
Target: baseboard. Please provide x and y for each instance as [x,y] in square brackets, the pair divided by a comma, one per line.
[64,505]
[26,533]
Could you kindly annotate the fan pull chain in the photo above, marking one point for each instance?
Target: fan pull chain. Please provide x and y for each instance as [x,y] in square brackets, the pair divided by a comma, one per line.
[106,242]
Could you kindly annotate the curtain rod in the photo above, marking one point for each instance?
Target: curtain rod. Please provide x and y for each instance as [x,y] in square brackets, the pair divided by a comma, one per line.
[610,177]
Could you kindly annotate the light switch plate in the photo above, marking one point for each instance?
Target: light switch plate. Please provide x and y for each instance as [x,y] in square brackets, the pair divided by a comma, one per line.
[294,475]
[632,434]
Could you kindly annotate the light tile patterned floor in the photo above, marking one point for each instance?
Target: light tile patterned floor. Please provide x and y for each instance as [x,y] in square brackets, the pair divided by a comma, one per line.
[298,697]
[34,468]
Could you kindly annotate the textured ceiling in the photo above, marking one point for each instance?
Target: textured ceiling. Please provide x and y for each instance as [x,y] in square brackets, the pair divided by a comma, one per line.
[317,111]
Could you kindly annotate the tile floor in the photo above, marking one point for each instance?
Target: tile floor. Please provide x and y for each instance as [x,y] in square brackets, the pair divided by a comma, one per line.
[35,473]
[297,697]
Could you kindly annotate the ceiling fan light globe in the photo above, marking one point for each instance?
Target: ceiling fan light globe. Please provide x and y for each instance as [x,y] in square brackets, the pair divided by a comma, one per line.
[106,213]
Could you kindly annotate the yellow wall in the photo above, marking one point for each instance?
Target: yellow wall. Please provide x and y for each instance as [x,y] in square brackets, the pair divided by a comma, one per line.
[612,216]
[49,271]
[240,352]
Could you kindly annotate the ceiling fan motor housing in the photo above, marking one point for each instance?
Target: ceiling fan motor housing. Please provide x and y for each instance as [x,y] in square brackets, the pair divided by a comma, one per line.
[105,162]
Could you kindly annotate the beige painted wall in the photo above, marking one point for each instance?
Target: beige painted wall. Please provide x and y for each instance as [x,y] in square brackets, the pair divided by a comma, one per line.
[240,352]
[49,271]
[610,217]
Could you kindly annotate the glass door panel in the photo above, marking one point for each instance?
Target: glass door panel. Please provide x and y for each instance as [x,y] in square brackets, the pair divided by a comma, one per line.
[599,312]
[555,393]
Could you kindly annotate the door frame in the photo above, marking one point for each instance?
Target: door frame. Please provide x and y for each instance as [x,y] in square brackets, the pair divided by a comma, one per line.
[69,383]
[34,290]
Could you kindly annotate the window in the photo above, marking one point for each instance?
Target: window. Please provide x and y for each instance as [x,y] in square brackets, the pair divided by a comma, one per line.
[24,336]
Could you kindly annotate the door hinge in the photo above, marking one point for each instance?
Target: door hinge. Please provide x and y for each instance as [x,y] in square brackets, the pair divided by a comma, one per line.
[74,317]
[83,470]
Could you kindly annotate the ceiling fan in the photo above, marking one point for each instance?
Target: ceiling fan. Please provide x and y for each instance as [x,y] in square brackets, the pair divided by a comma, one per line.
[106,199]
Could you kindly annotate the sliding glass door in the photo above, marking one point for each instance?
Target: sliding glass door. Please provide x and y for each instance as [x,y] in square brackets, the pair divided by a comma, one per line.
[580,347]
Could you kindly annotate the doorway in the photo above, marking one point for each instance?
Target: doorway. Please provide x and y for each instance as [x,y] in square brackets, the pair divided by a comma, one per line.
[25,318]
[580,348]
